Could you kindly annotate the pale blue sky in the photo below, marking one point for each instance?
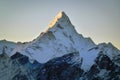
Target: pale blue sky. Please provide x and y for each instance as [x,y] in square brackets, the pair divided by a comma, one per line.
[24,20]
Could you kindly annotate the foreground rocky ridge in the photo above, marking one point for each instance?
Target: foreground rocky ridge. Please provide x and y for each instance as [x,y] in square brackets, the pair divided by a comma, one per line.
[67,67]
[18,67]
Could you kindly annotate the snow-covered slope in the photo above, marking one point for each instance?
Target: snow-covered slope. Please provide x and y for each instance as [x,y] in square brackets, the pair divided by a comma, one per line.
[61,38]
[7,46]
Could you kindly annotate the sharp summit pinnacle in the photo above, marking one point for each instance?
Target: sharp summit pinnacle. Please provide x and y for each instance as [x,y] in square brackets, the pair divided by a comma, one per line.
[60,18]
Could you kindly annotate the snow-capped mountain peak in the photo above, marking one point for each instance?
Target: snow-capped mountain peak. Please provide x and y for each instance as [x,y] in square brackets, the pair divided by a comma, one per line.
[60,39]
[57,40]
[59,53]
[60,18]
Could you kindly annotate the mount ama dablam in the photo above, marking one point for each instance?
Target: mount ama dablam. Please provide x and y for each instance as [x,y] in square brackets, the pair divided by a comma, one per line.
[59,53]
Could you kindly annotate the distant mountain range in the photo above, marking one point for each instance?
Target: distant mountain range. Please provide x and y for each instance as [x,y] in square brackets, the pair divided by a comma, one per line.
[59,53]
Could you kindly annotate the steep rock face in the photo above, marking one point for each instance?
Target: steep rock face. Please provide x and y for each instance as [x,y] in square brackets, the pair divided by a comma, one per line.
[66,67]
[103,69]
[17,67]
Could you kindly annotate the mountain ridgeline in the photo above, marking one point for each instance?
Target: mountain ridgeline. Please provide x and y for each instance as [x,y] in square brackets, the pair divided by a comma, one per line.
[59,53]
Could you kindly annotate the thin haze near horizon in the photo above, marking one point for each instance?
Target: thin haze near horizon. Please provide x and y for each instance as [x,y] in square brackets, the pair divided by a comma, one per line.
[24,20]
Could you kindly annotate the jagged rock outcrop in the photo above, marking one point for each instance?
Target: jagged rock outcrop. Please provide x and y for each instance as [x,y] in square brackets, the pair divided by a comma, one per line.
[17,67]
[103,69]
[66,67]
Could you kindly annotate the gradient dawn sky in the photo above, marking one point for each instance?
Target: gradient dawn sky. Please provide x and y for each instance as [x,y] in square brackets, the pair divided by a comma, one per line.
[24,20]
